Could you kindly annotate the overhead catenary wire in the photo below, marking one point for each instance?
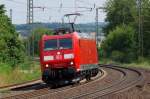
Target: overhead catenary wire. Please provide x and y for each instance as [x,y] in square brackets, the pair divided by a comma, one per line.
[94,5]
[46,7]
[61,8]
[18,2]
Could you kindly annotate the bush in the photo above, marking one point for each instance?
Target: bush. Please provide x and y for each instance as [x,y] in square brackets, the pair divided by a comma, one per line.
[11,48]
[35,37]
[100,52]
[5,68]
[120,44]
[117,56]
[9,75]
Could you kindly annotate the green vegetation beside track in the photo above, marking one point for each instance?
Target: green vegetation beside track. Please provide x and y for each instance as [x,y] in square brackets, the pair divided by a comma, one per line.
[20,74]
[141,63]
[15,66]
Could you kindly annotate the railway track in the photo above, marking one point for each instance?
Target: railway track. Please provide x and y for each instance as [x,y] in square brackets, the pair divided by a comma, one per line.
[117,79]
[130,79]
[39,90]
[21,85]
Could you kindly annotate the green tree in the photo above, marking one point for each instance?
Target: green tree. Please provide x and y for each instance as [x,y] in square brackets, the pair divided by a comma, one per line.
[126,12]
[11,48]
[120,44]
[120,12]
[146,27]
[36,36]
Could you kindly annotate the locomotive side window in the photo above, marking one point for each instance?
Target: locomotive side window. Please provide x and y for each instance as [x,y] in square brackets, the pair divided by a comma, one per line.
[50,44]
[65,43]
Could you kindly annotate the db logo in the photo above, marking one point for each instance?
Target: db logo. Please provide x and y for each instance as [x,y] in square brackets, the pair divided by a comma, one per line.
[58,57]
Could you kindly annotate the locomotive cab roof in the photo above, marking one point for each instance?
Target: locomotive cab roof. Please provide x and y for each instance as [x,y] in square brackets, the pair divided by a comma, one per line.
[80,35]
[60,31]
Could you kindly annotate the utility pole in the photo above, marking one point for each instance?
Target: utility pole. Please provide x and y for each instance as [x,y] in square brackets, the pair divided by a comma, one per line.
[30,21]
[140,35]
[30,17]
[11,15]
[96,23]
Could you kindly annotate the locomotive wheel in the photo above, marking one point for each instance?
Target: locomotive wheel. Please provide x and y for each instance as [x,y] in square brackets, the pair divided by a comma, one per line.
[88,77]
[75,84]
[53,86]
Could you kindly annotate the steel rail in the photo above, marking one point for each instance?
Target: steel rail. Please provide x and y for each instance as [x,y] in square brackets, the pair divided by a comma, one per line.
[119,86]
[53,94]
[20,85]
[43,91]
[128,79]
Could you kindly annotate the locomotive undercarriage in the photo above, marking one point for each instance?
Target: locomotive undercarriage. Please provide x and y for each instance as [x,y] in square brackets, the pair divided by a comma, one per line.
[53,76]
[67,75]
[87,74]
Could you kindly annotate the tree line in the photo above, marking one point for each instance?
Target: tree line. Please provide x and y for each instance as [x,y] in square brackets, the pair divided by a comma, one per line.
[15,51]
[123,42]
[11,47]
[122,33]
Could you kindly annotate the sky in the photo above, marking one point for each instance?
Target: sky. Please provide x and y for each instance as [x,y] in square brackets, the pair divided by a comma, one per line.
[54,10]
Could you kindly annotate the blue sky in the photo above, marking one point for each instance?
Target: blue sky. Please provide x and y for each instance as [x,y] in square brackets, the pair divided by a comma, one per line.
[52,11]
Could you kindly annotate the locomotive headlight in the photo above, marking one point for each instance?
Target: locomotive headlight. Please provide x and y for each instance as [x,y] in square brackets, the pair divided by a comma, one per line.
[58,53]
[68,56]
[78,69]
[46,65]
[71,63]
[47,58]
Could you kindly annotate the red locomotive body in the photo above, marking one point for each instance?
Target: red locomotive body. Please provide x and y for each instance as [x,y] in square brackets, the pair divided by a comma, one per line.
[70,57]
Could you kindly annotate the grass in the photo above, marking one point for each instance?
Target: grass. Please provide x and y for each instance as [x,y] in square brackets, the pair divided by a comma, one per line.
[141,63]
[19,74]
[31,70]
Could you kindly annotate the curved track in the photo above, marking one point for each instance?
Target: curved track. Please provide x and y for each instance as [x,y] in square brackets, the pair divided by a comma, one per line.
[117,79]
[21,85]
[130,79]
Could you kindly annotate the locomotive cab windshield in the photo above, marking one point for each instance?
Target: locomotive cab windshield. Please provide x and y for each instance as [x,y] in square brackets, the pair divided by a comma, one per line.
[58,44]
[50,44]
[65,43]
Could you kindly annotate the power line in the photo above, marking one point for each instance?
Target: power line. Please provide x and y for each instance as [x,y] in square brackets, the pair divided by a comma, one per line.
[30,12]
[94,5]
[42,19]
[66,7]
[90,10]
[18,2]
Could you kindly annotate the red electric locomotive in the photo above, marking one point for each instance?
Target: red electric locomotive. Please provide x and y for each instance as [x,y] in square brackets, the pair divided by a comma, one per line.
[68,57]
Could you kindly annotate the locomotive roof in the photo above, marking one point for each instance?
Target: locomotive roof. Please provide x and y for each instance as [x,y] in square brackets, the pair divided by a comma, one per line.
[79,35]
[86,35]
